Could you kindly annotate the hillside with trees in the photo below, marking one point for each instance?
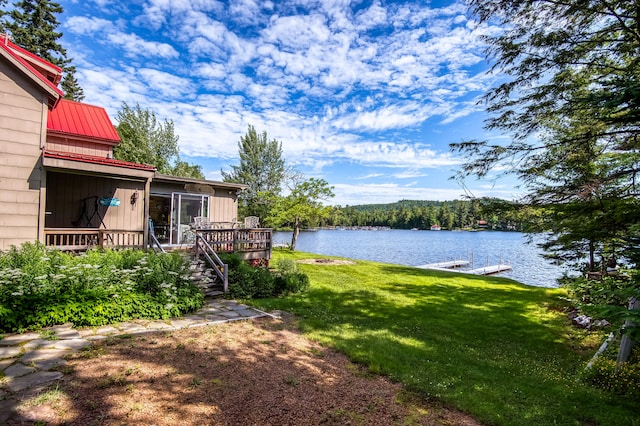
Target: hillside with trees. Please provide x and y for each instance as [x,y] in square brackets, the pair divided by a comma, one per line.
[418,214]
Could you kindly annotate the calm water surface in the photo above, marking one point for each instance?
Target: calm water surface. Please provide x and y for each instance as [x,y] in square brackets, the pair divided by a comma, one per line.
[412,248]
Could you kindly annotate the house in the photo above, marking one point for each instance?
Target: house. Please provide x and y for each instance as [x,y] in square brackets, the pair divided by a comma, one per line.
[60,185]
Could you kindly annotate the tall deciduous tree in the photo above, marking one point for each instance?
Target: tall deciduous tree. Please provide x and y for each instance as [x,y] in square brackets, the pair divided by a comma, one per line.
[571,102]
[263,168]
[147,140]
[303,206]
[33,25]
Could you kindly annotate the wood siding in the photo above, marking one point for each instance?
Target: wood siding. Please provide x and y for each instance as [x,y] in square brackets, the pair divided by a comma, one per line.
[22,123]
[224,206]
[72,199]
[60,144]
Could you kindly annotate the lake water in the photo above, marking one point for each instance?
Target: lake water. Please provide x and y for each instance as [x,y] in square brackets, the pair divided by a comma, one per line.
[412,248]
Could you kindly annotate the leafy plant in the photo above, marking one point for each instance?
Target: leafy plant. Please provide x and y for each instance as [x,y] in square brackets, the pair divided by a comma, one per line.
[248,282]
[41,287]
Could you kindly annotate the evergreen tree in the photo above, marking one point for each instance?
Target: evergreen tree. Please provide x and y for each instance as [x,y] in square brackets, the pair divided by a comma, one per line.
[263,168]
[33,25]
[70,86]
[571,104]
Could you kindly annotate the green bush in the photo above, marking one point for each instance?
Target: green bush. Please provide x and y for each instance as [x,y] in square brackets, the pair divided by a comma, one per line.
[249,282]
[624,382]
[42,287]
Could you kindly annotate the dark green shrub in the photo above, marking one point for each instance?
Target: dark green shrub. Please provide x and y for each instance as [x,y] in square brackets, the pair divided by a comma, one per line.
[249,282]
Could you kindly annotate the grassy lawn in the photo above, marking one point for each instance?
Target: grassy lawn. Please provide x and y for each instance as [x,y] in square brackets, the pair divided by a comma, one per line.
[501,351]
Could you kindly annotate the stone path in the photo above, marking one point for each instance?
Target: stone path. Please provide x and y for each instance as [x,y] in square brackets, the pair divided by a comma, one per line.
[28,360]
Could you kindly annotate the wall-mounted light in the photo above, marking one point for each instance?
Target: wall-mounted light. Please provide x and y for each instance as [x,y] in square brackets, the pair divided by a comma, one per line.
[134,198]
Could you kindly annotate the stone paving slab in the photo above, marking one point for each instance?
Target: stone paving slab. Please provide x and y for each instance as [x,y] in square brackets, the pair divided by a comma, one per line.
[10,352]
[48,364]
[4,363]
[68,335]
[107,330]
[18,339]
[18,370]
[33,379]
[73,344]
[39,344]
[43,354]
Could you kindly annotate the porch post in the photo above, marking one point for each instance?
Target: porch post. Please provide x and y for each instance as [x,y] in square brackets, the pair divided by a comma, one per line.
[145,228]
[42,204]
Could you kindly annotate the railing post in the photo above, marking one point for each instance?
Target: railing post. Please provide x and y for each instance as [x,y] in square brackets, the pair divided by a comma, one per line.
[226,278]
[101,239]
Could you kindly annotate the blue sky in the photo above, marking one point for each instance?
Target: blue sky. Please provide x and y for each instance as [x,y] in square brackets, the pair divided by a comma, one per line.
[364,94]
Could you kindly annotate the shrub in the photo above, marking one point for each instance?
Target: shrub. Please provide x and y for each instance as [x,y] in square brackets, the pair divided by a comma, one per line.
[42,287]
[625,381]
[248,282]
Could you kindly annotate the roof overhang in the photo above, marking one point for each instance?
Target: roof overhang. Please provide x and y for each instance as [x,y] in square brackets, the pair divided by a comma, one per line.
[96,165]
[23,66]
[184,180]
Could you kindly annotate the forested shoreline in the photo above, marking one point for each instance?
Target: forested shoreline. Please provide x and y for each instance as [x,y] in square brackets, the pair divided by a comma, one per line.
[420,214]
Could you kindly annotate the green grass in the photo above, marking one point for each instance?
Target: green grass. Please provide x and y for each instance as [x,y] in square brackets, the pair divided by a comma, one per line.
[494,348]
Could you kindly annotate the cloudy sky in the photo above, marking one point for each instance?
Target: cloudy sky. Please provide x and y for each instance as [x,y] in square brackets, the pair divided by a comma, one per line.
[365,94]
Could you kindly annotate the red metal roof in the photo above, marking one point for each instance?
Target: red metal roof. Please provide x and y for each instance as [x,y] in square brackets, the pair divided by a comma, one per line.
[19,53]
[96,160]
[71,118]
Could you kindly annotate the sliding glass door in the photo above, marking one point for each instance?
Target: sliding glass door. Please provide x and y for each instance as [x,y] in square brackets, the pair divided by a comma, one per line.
[184,208]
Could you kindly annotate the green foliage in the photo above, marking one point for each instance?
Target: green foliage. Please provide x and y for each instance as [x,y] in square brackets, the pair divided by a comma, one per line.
[610,290]
[41,287]
[623,380]
[262,168]
[288,279]
[421,214]
[146,140]
[607,298]
[251,282]
[302,207]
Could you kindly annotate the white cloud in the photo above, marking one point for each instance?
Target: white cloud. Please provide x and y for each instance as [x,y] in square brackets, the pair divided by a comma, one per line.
[335,86]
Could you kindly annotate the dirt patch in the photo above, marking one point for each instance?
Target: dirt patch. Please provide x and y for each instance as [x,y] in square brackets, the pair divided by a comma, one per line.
[260,372]
[326,262]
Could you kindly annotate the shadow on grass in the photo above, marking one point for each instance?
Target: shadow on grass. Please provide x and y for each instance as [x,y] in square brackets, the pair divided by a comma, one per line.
[232,374]
[488,346]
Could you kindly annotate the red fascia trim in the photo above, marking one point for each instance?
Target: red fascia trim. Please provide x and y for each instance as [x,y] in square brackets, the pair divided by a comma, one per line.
[30,67]
[97,160]
[33,56]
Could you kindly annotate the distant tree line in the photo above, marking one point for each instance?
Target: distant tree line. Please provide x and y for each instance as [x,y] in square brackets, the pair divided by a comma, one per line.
[458,214]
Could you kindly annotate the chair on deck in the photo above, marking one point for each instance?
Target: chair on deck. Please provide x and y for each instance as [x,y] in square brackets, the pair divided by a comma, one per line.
[251,222]
[201,222]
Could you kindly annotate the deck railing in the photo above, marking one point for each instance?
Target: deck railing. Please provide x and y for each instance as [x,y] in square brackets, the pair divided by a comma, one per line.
[252,243]
[83,239]
[238,240]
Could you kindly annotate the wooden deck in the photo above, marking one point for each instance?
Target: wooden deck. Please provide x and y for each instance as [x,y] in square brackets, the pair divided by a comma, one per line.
[251,243]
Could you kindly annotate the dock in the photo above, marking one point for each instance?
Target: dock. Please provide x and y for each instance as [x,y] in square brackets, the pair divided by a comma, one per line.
[489,270]
[453,265]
